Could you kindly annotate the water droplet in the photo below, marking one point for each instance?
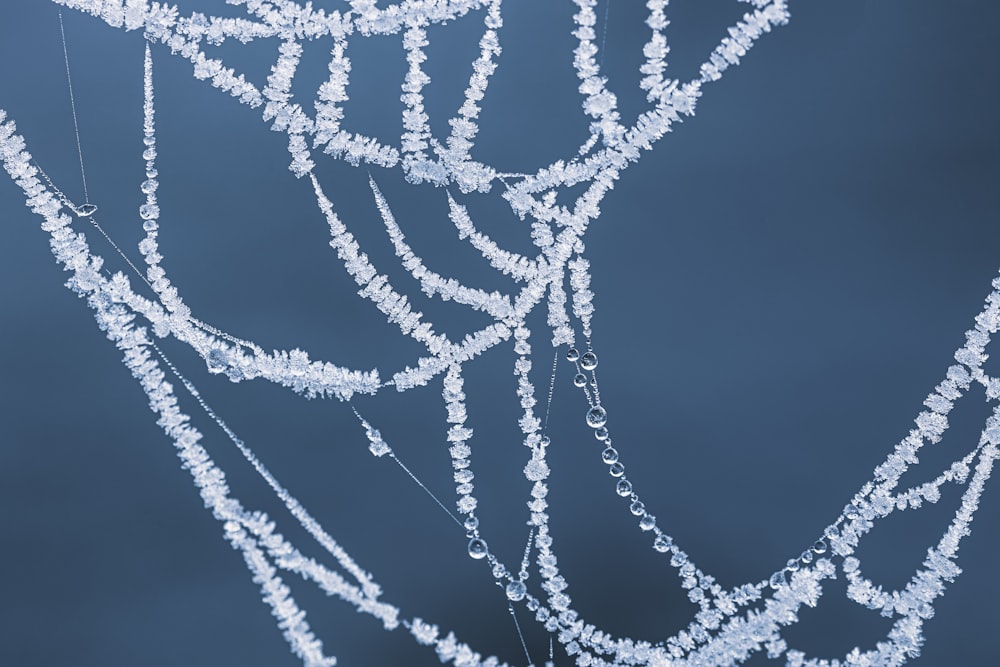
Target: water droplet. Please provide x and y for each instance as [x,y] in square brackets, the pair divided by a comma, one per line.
[580,380]
[545,441]
[150,225]
[86,210]
[637,508]
[820,547]
[778,580]
[806,557]
[471,523]
[589,361]
[609,455]
[624,487]
[151,172]
[572,354]
[662,543]
[516,590]
[601,433]
[647,522]
[149,211]
[597,417]
[149,186]
[792,565]
[477,548]
[616,469]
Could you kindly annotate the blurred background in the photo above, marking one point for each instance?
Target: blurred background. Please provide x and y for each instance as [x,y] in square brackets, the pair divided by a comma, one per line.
[779,284]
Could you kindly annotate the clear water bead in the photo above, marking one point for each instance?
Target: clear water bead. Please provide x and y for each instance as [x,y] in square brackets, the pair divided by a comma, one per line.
[637,508]
[647,522]
[471,523]
[609,455]
[572,354]
[516,590]
[85,210]
[820,547]
[806,557]
[778,580]
[601,433]
[624,487]
[662,543]
[477,548]
[616,469]
[597,417]
[589,361]
[580,380]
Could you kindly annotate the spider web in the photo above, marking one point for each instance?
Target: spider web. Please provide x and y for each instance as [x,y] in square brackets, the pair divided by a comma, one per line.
[730,624]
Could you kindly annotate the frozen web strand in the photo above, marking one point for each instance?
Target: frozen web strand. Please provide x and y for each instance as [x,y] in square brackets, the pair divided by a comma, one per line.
[115,320]
[311,526]
[292,369]
[495,304]
[252,533]
[718,635]
[183,36]
[293,22]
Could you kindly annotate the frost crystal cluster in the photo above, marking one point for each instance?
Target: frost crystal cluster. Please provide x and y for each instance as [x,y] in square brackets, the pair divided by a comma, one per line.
[135,311]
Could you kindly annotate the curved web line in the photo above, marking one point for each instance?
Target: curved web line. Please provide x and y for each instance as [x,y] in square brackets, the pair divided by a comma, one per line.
[797,584]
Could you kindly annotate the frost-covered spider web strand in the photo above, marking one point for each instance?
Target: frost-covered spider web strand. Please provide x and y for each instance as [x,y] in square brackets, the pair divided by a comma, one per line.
[252,533]
[495,304]
[729,625]
[292,369]
[292,22]
[293,506]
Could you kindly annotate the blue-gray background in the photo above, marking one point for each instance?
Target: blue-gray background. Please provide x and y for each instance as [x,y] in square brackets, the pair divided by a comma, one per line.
[780,283]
